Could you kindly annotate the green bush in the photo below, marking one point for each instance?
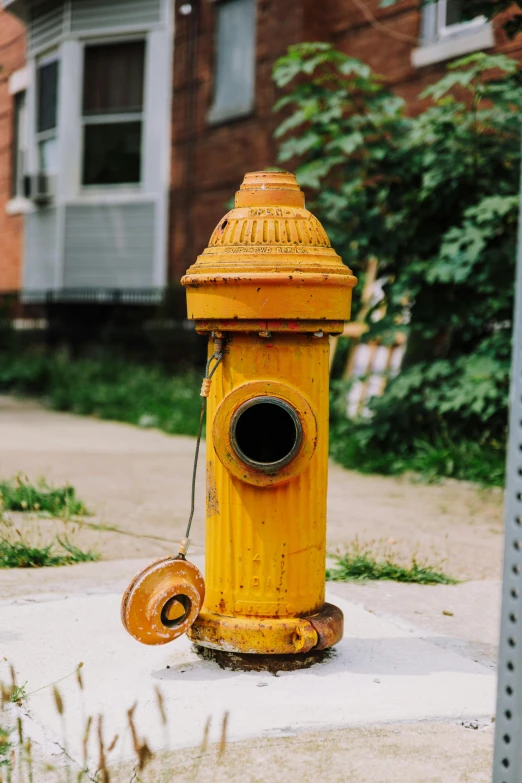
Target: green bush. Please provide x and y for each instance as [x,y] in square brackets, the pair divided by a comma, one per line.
[145,396]
[435,199]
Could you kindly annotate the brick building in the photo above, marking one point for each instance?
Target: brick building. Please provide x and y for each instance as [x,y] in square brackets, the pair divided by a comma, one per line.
[126,125]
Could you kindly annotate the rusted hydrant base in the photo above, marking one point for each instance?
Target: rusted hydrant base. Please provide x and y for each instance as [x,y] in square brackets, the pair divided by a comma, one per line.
[268,636]
[247,662]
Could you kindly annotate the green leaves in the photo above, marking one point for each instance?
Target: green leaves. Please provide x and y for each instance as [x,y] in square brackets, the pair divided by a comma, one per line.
[435,199]
[463,246]
[468,72]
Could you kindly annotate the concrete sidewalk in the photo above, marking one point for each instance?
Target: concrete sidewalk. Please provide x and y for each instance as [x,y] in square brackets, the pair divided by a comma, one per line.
[387,670]
[139,481]
[408,697]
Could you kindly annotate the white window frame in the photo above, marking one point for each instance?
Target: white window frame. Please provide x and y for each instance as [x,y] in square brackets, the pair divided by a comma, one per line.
[444,30]
[19,83]
[442,42]
[119,187]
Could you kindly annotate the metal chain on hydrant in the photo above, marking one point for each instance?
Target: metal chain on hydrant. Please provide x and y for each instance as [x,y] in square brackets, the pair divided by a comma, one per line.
[216,357]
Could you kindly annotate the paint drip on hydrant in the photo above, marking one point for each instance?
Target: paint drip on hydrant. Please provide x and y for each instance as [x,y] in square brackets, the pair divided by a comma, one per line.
[270,288]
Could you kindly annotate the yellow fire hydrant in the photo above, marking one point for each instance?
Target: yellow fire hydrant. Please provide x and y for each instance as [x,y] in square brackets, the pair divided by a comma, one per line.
[269,289]
[270,282]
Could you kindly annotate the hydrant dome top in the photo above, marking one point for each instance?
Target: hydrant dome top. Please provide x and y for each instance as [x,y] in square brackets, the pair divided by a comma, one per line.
[269,239]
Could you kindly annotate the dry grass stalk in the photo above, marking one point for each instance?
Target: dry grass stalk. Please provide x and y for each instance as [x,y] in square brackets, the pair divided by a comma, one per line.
[85,741]
[58,701]
[79,677]
[223,740]
[29,758]
[206,731]
[141,749]
[102,763]
[161,706]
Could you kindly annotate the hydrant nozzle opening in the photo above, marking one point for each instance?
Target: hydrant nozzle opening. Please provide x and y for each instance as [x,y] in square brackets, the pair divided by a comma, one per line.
[175,610]
[266,433]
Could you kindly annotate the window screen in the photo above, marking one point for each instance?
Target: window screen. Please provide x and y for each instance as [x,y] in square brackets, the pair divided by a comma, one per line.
[234,70]
[47,109]
[113,87]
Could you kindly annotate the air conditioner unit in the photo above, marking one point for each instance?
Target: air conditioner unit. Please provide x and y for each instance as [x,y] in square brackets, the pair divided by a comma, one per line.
[40,188]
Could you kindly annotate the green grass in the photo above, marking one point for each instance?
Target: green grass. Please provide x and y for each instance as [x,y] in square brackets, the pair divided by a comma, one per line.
[151,397]
[464,460]
[5,748]
[109,389]
[21,554]
[360,565]
[18,494]
[18,694]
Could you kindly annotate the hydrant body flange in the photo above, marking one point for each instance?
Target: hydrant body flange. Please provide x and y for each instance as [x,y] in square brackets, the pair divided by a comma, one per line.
[272,284]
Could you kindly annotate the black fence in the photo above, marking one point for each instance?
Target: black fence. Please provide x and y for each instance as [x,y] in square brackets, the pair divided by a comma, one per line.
[144,325]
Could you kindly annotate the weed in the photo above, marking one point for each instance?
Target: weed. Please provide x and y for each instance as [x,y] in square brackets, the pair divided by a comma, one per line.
[5,746]
[359,564]
[18,494]
[18,694]
[18,763]
[21,554]
[464,460]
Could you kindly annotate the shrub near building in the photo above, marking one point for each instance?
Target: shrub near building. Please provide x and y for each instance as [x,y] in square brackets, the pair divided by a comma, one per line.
[435,199]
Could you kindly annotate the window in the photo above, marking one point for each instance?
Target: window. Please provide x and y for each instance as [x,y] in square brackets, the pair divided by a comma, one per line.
[18,145]
[234,71]
[113,113]
[449,18]
[47,114]
[446,33]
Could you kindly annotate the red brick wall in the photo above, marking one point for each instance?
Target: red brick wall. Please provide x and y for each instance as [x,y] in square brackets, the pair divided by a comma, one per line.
[382,37]
[386,42]
[222,154]
[12,57]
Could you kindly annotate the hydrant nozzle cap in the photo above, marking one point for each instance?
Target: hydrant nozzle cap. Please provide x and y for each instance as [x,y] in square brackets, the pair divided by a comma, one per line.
[269,188]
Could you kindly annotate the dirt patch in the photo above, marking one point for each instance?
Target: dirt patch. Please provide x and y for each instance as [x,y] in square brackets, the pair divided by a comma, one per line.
[428,752]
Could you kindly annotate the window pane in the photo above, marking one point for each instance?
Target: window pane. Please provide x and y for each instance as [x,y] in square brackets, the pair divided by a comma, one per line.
[18,146]
[48,156]
[235,61]
[453,12]
[113,78]
[47,96]
[112,153]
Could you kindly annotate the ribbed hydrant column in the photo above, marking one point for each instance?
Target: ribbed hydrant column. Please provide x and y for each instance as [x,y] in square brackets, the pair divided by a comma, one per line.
[268,549]
[271,285]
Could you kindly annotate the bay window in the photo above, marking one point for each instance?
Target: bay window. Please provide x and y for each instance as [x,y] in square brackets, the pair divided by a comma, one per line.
[112,111]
